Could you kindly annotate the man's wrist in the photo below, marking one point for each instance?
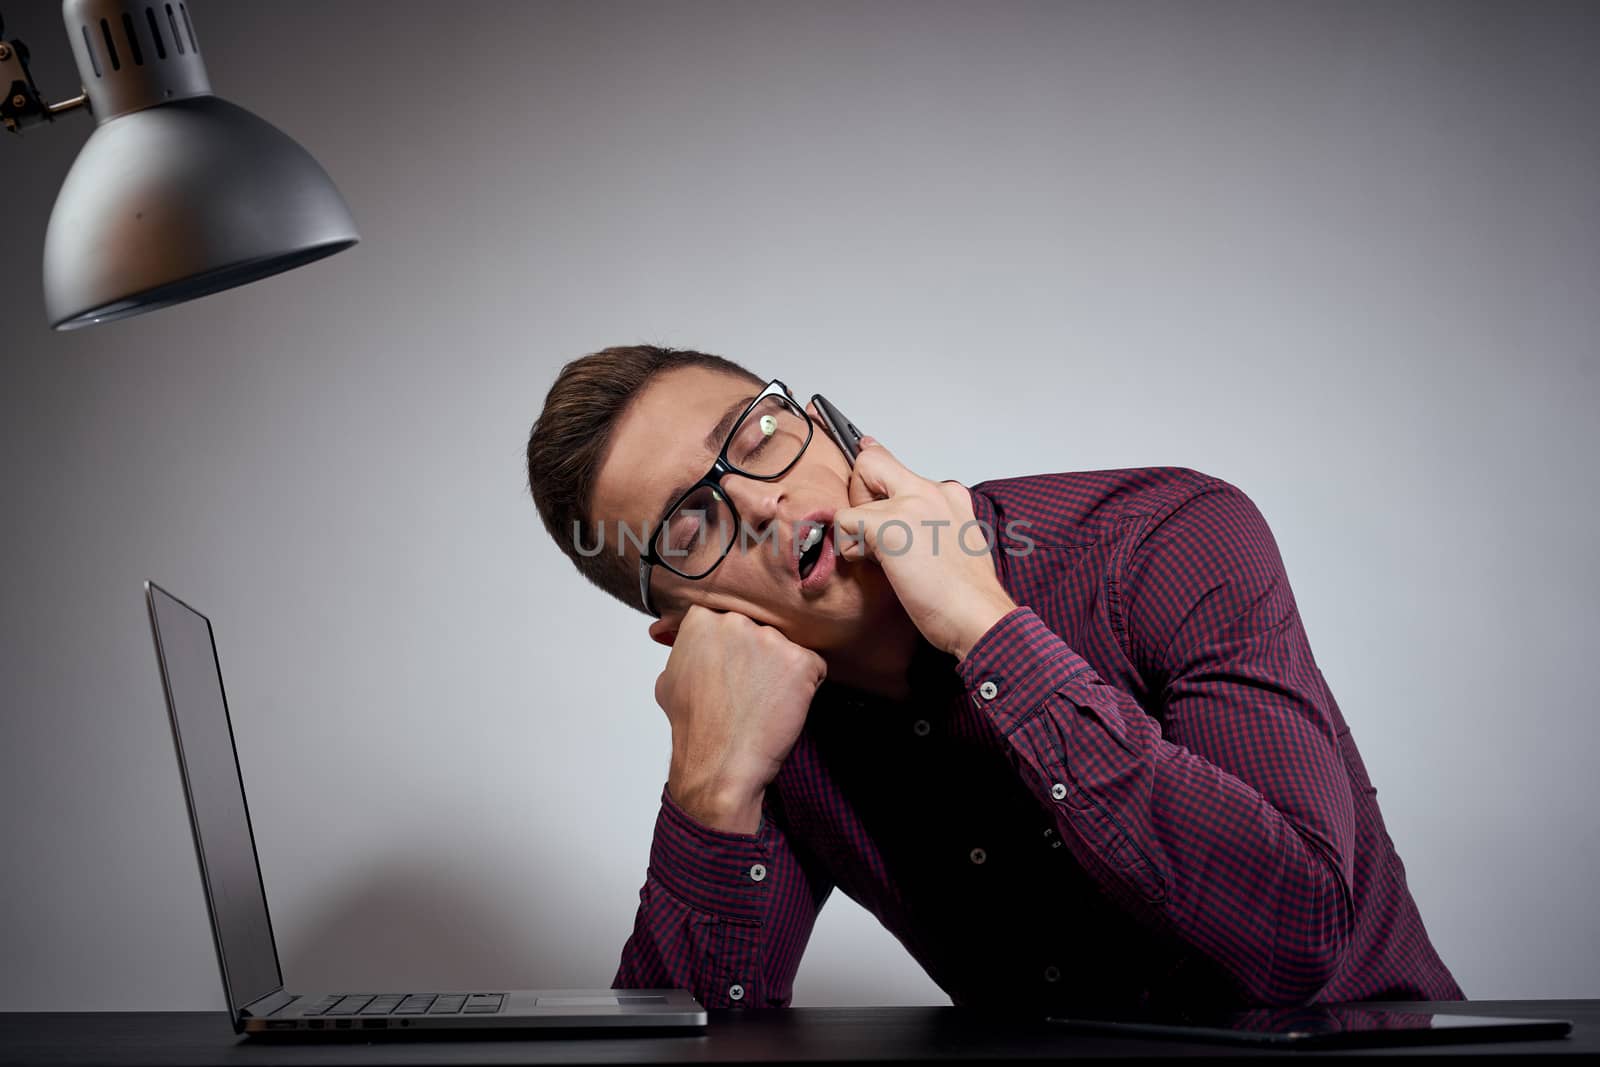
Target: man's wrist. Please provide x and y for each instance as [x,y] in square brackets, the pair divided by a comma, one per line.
[735,811]
[990,610]
[707,869]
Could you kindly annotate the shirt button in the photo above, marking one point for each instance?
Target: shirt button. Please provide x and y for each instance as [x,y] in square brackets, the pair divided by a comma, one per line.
[736,992]
[987,690]
[757,873]
[1058,791]
[977,855]
[1052,973]
[921,727]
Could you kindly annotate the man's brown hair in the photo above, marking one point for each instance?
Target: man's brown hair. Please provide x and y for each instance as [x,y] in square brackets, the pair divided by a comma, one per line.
[570,438]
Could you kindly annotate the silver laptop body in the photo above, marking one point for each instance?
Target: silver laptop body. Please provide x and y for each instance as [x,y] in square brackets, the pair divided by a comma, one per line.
[236,898]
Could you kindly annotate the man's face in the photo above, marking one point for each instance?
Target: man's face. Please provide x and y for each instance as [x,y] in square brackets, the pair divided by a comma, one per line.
[659,444]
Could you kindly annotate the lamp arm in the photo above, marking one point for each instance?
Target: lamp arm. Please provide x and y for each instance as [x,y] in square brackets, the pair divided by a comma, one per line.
[22,105]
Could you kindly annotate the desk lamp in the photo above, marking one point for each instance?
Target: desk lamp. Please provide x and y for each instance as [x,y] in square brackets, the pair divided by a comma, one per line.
[177,193]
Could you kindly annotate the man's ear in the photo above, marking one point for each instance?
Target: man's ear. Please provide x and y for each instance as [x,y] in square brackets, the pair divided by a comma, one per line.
[664,631]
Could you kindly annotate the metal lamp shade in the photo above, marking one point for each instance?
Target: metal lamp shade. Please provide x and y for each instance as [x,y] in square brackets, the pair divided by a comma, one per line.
[172,202]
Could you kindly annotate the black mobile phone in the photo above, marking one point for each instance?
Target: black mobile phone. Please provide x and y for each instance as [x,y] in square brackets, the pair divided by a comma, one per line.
[841,429]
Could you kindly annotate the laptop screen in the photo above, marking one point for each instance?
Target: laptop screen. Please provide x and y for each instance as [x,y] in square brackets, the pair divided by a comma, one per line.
[215,791]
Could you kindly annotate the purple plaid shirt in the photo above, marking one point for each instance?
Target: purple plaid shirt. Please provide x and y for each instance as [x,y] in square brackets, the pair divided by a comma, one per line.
[1136,790]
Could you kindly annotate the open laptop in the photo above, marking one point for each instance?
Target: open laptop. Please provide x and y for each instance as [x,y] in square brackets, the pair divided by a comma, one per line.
[236,898]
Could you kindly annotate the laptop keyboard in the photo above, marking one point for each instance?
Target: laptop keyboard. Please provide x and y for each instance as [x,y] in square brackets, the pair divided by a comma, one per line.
[408,1004]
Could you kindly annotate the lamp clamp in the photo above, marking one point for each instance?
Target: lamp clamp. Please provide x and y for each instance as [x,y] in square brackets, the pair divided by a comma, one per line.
[22,104]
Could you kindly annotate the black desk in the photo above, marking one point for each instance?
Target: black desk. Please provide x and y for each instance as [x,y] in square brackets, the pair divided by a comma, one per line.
[116,1039]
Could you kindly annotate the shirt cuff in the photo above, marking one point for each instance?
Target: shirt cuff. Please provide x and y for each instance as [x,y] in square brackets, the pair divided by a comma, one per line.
[1014,666]
[716,871]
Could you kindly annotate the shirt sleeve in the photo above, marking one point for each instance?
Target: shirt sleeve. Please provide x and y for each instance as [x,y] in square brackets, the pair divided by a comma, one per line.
[724,915]
[1234,829]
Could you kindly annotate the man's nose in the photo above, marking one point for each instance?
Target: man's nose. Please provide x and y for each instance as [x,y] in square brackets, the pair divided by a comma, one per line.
[758,502]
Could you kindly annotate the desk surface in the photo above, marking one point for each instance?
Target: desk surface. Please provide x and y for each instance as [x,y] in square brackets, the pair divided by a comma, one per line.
[738,1036]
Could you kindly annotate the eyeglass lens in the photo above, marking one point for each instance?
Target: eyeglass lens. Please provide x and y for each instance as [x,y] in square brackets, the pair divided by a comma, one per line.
[701,530]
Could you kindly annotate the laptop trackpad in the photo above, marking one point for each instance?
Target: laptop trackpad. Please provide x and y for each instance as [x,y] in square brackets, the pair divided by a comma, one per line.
[596,1001]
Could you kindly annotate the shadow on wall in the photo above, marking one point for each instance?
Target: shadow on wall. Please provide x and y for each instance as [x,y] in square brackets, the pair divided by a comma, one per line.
[415,923]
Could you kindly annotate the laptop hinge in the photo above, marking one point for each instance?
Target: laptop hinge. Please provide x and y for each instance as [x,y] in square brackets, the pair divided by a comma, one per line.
[267,1005]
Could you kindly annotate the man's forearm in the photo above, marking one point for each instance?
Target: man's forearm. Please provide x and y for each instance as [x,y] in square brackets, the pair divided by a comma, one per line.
[1259,883]
[723,914]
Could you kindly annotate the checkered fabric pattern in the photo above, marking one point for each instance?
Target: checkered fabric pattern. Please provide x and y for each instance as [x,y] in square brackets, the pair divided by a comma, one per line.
[1135,790]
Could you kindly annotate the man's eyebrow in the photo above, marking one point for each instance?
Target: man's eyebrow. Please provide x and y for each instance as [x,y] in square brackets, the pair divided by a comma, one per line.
[713,444]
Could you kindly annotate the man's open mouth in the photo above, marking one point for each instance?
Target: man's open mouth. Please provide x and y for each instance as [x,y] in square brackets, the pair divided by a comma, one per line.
[810,550]
[810,542]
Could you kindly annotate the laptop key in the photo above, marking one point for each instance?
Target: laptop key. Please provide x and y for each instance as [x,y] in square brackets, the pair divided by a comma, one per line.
[483,1003]
[448,1004]
[415,1004]
[383,1005]
[349,1005]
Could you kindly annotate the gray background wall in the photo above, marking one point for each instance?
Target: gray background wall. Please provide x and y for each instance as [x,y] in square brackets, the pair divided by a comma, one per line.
[1343,255]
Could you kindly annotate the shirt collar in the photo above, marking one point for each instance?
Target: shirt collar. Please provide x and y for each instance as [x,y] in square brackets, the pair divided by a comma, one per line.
[932,675]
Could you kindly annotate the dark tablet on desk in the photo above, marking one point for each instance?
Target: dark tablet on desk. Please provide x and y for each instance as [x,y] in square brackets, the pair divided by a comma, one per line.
[1324,1026]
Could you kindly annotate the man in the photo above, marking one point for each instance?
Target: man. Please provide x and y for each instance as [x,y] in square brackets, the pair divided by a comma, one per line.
[1063,735]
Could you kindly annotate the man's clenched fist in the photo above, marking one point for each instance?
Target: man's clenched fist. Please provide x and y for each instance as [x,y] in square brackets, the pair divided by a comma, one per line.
[736,693]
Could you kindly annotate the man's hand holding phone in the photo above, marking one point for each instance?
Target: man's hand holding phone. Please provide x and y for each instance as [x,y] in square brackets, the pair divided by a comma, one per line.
[914,529]
[736,693]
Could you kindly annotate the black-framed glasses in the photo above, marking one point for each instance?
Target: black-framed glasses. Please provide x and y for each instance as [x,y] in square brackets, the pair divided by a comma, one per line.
[698,529]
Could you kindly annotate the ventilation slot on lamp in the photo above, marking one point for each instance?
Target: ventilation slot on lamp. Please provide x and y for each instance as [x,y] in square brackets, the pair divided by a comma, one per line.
[88,49]
[155,31]
[172,20]
[133,40]
[111,48]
